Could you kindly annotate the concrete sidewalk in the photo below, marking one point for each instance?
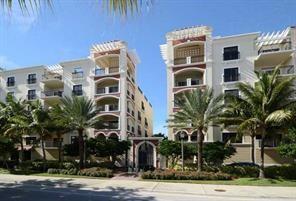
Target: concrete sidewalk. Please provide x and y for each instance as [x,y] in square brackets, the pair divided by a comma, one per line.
[150,186]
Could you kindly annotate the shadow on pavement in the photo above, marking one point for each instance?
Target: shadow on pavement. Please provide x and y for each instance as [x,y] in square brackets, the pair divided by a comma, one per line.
[64,189]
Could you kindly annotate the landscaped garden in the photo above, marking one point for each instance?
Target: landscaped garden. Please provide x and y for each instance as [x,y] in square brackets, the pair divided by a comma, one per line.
[266,110]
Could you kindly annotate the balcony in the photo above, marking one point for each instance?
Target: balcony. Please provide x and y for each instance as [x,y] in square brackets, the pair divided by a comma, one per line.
[231,78]
[77,75]
[284,70]
[107,108]
[106,71]
[188,82]
[55,93]
[189,60]
[275,47]
[107,90]
[109,125]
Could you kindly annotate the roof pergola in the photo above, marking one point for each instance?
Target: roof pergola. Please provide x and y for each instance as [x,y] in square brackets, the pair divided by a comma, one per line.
[273,38]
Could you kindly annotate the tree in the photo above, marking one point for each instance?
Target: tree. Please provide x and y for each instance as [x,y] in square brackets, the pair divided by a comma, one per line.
[287,148]
[80,114]
[237,111]
[271,100]
[198,109]
[6,148]
[216,152]
[111,148]
[40,123]
[16,120]
[172,151]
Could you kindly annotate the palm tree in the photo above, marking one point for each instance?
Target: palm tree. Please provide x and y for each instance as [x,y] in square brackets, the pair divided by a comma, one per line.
[270,100]
[236,111]
[198,109]
[58,126]
[40,123]
[16,119]
[80,114]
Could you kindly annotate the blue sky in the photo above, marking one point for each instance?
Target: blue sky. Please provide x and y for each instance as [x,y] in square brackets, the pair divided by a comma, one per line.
[74,25]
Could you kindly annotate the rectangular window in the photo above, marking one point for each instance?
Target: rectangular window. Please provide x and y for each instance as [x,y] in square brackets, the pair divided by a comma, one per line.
[32,79]
[231,53]
[31,140]
[143,105]
[10,81]
[231,74]
[77,73]
[32,94]
[139,116]
[77,90]
[231,137]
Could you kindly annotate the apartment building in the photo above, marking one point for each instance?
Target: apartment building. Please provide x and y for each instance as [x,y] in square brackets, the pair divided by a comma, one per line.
[107,76]
[195,58]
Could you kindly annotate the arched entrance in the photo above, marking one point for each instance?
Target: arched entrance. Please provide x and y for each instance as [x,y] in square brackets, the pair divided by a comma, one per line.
[146,160]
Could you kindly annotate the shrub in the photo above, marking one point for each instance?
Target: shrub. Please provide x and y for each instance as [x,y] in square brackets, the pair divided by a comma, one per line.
[177,175]
[96,172]
[53,171]
[284,172]
[241,171]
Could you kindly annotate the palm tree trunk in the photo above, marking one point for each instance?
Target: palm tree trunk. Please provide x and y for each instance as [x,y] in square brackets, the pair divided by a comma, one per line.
[199,150]
[21,159]
[261,173]
[43,152]
[81,148]
[253,148]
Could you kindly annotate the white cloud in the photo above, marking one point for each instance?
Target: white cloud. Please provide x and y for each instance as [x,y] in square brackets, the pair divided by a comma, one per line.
[6,63]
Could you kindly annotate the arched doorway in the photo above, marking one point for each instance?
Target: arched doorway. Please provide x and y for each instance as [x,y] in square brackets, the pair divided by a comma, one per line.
[146,160]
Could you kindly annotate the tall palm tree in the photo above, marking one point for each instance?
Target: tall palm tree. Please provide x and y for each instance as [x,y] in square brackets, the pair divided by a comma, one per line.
[81,114]
[270,100]
[58,126]
[40,123]
[198,109]
[236,112]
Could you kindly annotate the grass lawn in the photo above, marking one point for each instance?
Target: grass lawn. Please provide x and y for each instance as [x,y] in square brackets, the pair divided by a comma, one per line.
[240,181]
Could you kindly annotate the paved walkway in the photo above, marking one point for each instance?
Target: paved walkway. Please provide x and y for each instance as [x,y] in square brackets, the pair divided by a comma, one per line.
[150,186]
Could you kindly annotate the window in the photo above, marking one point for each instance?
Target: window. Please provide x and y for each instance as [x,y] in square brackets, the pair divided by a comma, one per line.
[146,122]
[139,130]
[77,90]
[143,106]
[77,73]
[139,116]
[230,53]
[32,79]
[146,133]
[10,81]
[231,75]
[31,94]
[231,137]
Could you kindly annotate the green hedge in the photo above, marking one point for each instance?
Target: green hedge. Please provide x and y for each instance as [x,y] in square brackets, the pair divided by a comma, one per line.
[91,172]
[278,172]
[41,166]
[177,175]
[241,171]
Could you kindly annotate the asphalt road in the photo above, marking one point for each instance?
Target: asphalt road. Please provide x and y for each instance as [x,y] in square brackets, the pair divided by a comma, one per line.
[14,192]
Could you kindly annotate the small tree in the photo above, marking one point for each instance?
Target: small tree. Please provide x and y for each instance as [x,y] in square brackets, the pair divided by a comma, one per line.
[6,148]
[216,152]
[287,148]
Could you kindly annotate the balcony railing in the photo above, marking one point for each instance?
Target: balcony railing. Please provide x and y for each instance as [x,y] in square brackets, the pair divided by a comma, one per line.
[31,96]
[231,78]
[48,76]
[106,71]
[56,93]
[106,90]
[10,84]
[107,108]
[77,92]
[188,82]
[275,47]
[284,70]
[110,125]
[32,81]
[77,75]
[189,60]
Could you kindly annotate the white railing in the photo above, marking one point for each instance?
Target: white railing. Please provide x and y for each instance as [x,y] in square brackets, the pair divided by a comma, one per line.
[107,90]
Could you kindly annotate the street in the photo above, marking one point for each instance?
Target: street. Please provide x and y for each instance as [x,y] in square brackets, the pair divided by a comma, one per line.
[34,188]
